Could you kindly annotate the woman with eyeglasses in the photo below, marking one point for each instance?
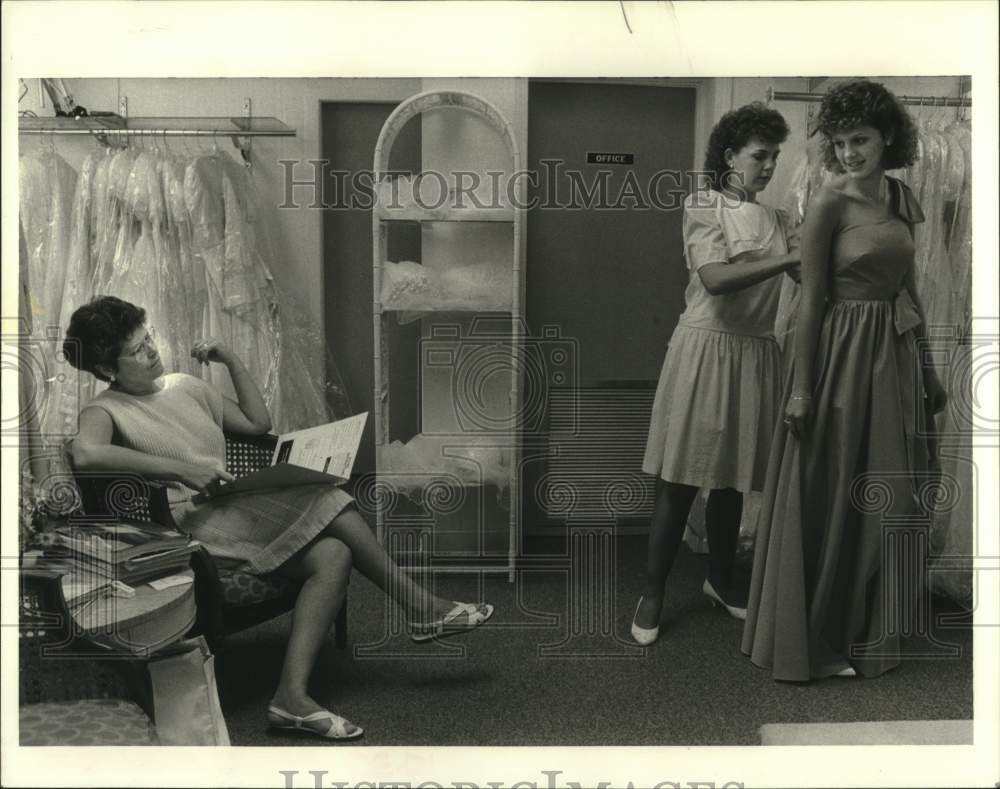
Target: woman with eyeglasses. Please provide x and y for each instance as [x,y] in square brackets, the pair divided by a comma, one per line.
[171,428]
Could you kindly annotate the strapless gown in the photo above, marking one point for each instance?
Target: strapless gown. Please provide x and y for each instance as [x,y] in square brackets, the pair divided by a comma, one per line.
[826,578]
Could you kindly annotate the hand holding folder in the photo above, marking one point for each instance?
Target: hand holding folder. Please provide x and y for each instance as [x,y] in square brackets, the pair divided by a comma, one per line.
[323,454]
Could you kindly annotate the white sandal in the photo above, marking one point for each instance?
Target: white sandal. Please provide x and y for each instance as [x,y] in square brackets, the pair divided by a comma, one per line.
[475,615]
[322,724]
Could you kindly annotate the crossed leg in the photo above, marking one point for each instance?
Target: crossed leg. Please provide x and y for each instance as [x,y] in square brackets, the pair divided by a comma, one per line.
[372,561]
[324,569]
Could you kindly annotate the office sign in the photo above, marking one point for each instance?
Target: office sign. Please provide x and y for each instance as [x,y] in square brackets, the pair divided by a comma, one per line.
[607,157]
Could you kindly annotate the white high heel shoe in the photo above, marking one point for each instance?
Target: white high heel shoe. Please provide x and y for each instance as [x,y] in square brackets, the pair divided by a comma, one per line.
[709,591]
[643,635]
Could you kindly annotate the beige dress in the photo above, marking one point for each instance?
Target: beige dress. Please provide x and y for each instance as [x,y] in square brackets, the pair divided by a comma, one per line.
[257,531]
[718,392]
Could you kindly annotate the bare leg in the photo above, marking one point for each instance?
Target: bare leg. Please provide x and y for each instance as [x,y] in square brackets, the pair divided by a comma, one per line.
[372,561]
[324,567]
[670,513]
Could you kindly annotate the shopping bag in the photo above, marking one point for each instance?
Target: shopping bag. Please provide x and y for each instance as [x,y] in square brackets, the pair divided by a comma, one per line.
[186,706]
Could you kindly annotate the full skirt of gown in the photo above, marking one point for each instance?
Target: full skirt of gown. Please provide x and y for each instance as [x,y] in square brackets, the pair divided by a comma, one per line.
[827,579]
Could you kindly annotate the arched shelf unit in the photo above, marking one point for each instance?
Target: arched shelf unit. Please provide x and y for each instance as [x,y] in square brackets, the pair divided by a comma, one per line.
[387,212]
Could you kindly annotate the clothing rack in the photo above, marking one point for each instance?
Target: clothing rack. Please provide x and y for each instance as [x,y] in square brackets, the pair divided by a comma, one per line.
[920,101]
[105,128]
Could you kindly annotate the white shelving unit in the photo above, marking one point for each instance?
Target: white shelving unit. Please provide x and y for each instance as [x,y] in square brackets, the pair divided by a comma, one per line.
[383,216]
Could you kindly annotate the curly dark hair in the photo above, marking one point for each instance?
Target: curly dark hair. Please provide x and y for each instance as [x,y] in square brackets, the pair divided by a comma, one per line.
[98,330]
[735,129]
[866,103]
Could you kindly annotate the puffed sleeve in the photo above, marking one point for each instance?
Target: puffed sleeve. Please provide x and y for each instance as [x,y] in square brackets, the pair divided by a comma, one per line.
[704,240]
[790,230]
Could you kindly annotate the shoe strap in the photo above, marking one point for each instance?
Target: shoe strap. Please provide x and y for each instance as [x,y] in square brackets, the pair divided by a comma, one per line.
[300,721]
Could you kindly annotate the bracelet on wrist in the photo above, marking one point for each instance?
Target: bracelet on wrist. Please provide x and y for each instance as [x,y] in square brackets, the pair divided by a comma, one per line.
[801,397]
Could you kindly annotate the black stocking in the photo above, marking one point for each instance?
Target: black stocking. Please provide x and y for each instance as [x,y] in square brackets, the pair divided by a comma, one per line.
[722,524]
[670,514]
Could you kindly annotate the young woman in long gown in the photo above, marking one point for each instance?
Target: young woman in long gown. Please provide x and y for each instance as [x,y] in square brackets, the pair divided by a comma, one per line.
[825,585]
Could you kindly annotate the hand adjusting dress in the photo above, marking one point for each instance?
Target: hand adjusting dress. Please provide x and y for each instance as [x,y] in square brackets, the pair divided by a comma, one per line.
[825,586]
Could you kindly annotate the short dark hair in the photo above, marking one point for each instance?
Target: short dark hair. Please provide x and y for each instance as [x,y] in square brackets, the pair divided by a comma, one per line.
[866,103]
[98,330]
[735,129]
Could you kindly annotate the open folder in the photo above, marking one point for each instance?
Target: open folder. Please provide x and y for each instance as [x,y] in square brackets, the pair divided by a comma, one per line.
[321,454]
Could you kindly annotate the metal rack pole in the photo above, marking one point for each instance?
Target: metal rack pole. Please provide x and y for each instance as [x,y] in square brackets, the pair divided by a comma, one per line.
[167,132]
[926,101]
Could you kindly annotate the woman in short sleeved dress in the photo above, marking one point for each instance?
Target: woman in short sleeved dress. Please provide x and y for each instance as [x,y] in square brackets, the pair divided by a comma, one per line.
[717,397]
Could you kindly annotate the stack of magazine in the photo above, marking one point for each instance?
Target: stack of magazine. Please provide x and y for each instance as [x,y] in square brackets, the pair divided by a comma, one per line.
[120,551]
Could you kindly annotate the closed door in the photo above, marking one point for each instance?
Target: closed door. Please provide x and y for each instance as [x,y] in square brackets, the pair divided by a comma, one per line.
[610,275]
[604,267]
[349,133]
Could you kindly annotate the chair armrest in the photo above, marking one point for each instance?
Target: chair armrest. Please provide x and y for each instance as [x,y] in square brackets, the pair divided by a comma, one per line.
[123,495]
[208,596]
[245,454]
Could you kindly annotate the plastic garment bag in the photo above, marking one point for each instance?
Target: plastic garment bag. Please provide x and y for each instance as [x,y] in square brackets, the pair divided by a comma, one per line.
[245,308]
[71,387]
[183,237]
[946,292]
[298,394]
[47,185]
[238,299]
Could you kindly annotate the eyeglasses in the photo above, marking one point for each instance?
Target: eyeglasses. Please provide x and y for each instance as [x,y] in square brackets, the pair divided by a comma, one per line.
[146,347]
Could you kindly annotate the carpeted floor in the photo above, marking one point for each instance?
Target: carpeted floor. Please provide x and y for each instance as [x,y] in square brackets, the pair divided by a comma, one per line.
[555,666]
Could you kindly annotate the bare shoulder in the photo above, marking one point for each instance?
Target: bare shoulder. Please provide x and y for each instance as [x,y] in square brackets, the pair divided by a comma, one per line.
[828,202]
[95,424]
[832,193]
[94,413]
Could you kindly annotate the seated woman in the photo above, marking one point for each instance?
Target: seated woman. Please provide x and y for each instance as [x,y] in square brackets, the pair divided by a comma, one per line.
[170,428]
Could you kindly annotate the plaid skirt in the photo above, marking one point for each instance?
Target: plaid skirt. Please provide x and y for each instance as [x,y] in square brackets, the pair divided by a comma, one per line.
[262,530]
